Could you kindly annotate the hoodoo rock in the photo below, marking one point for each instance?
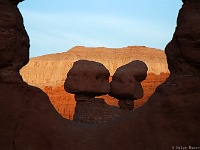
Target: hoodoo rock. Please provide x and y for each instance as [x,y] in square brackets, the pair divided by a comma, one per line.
[88,78]
[168,120]
[126,80]
[125,84]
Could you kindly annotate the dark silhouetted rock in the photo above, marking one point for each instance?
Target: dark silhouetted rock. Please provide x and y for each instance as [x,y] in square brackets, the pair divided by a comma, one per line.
[190,1]
[16,1]
[185,57]
[88,78]
[14,50]
[125,84]
[13,56]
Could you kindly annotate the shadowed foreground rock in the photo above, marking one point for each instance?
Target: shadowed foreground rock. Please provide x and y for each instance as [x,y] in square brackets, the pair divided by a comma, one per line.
[14,42]
[171,117]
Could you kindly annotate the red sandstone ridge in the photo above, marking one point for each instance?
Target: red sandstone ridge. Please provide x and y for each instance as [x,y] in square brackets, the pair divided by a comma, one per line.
[50,71]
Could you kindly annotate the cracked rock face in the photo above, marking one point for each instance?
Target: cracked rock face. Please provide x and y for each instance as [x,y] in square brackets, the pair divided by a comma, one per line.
[88,78]
[126,81]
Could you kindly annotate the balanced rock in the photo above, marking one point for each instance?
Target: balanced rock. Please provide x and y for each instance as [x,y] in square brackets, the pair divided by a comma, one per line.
[126,85]
[126,80]
[87,78]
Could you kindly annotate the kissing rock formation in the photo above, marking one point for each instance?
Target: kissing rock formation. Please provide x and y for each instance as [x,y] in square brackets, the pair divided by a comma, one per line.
[88,79]
[170,117]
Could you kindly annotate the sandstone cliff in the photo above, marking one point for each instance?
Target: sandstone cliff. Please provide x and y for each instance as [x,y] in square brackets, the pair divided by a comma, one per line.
[52,69]
[49,72]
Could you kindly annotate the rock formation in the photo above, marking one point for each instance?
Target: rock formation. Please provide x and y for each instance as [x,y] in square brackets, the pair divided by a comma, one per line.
[13,56]
[125,84]
[88,79]
[49,72]
[14,46]
[169,119]
[65,103]
[95,110]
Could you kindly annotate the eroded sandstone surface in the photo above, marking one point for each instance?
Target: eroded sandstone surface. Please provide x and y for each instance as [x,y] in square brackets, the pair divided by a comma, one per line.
[52,69]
